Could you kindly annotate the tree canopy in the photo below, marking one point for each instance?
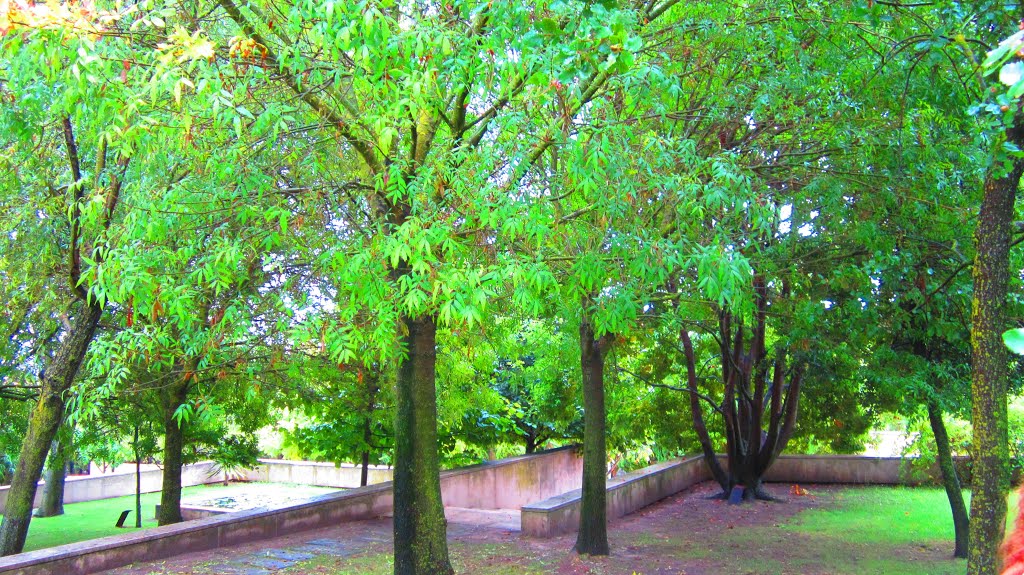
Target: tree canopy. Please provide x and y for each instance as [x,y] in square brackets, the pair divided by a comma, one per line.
[427,233]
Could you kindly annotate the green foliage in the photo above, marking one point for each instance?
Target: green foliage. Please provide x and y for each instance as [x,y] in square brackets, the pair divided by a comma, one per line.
[1014,340]
[349,414]
[12,429]
[529,386]
[297,179]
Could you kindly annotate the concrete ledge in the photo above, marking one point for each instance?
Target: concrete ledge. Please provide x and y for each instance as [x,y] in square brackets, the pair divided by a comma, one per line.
[626,494]
[507,483]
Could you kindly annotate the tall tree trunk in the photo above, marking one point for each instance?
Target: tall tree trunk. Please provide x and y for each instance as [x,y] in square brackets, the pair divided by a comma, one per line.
[364,475]
[174,444]
[950,480]
[760,400]
[421,545]
[989,362]
[138,478]
[593,534]
[42,428]
[371,404]
[52,503]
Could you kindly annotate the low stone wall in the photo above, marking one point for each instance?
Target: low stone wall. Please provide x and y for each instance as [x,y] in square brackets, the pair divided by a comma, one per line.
[78,488]
[500,484]
[316,473]
[857,470]
[626,493]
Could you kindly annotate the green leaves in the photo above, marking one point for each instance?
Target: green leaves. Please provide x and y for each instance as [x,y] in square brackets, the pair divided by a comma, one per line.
[1005,58]
[1003,52]
[1014,340]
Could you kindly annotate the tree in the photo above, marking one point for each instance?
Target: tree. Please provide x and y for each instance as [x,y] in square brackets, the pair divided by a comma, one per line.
[534,388]
[349,408]
[421,142]
[86,221]
[989,360]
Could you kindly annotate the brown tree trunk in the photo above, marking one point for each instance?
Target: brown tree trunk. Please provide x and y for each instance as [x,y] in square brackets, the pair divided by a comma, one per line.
[592,538]
[371,404]
[531,443]
[989,363]
[42,428]
[760,400]
[174,444]
[421,545]
[364,475]
[697,414]
[138,479]
[950,480]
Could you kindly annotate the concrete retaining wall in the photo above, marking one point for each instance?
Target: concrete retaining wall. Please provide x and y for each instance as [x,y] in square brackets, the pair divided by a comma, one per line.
[204,534]
[533,477]
[626,493]
[78,488]
[506,481]
[857,470]
[316,473]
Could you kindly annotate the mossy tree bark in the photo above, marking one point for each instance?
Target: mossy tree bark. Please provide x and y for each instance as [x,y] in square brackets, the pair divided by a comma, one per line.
[592,538]
[52,503]
[42,428]
[421,546]
[990,369]
[62,369]
[950,479]
[174,444]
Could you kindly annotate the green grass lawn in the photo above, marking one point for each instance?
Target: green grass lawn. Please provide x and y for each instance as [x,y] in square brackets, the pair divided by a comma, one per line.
[878,530]
[93,519]
[916,514]
[883,530]
[863,531]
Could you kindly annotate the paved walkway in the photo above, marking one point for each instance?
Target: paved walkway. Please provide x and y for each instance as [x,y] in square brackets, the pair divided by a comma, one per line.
[268,556]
